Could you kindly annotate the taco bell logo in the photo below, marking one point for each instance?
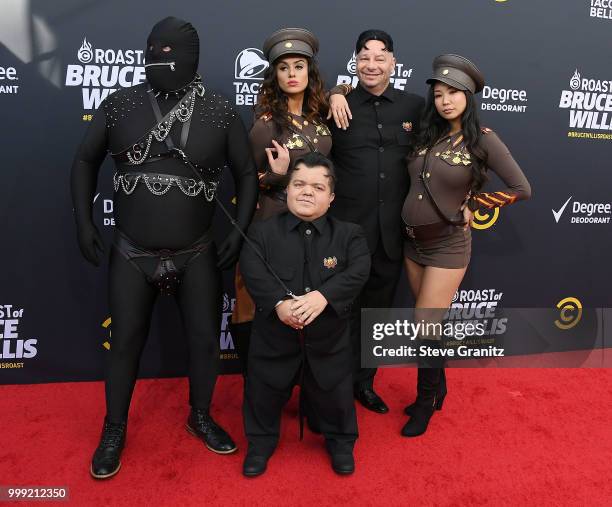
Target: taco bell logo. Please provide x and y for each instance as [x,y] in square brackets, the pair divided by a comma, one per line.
[249,68]
[250,64]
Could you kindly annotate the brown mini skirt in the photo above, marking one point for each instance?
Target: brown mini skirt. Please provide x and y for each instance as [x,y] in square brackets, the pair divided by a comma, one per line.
[440,245]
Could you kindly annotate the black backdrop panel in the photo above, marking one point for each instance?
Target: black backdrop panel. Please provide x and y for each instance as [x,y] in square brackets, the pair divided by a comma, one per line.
[549,97]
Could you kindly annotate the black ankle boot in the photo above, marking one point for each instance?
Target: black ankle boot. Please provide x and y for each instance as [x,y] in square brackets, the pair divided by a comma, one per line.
[427,400]
[440,395]
[106,459]
[200,424]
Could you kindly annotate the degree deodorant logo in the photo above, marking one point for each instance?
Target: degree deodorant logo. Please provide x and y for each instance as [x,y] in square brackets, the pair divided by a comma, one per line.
[485,219]
[8,78]
[570,313]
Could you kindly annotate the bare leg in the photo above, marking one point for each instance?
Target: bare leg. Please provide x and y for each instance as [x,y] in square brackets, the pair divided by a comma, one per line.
[433,289]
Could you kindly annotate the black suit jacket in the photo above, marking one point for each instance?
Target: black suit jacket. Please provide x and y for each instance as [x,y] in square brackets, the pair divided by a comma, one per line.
[338,267]
[370,161]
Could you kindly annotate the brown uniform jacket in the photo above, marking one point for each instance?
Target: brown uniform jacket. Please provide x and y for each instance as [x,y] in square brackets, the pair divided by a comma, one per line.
[449,176]
[301,139]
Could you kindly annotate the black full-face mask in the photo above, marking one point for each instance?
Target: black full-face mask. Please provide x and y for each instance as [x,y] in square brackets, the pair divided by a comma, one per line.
[175,68]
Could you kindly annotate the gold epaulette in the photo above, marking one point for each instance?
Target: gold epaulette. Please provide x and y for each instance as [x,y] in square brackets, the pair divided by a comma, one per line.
[486,130]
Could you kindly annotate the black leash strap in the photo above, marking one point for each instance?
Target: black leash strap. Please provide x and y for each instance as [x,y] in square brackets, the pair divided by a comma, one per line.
[179,151]
[423,176]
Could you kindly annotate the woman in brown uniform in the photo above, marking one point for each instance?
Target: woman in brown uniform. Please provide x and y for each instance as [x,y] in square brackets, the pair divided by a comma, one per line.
[447,171]
[290,111]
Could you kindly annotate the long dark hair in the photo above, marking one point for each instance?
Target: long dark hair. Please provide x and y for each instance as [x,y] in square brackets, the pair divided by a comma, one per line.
[273,101]
[434,127]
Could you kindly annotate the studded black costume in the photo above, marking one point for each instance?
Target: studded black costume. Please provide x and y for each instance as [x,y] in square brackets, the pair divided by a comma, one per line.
[160,134]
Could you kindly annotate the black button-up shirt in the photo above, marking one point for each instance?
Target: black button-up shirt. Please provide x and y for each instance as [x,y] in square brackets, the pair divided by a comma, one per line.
[333,259]
[308,230]
[370,160]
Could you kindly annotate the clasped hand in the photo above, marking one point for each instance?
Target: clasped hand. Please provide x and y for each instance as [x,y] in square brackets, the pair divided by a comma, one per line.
[302,310]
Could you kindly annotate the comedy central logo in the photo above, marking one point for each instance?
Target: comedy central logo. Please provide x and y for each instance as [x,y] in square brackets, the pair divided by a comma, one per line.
[85,53]
[589,102]
[570,313]
[106,325]
[485,219]
[249,68]
[399,76]
[101,72]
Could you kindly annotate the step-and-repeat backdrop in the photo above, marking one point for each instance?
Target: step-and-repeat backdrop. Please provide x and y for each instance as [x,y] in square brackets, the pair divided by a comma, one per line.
[548,66]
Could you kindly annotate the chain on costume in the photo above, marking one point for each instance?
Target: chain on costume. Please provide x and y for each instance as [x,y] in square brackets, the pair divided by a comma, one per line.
[160,184]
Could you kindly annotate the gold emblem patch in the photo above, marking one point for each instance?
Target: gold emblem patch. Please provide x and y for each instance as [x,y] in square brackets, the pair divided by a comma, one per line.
[330,262]
[407,126]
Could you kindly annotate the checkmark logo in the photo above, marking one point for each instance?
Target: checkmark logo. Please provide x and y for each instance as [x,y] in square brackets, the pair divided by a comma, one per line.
[557,214]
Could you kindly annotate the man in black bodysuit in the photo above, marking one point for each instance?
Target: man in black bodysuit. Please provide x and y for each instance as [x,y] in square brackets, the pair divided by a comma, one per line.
[170,137]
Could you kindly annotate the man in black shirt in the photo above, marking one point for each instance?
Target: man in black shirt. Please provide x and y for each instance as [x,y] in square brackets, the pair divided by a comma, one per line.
[373,182]
[326,262]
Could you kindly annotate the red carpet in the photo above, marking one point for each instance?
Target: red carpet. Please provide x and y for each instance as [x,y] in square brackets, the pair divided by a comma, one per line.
[504,437]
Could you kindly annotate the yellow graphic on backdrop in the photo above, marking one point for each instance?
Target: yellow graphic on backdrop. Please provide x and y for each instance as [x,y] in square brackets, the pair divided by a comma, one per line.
[570,314]
[484,220]
[105,325]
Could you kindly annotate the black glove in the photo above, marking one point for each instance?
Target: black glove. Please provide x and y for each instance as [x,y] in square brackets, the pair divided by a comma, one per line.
[90,243]
[229,251]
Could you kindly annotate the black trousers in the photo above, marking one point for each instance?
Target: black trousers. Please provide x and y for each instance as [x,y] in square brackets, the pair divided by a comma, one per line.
[131,303]
[333,410]
[378,292]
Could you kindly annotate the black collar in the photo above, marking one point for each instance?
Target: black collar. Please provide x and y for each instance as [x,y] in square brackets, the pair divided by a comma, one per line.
[364,95]
[294,221]
[181,92]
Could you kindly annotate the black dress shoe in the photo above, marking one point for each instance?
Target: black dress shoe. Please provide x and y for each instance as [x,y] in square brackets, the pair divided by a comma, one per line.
[254,465]
[343,464]
[370,400]
[106,459]
[201,425]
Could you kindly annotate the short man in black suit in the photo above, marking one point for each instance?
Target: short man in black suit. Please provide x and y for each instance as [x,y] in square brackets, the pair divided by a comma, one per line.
[325,262]
[373,182]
